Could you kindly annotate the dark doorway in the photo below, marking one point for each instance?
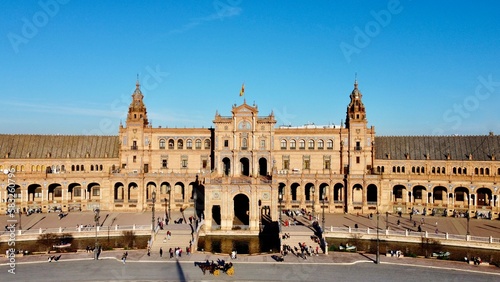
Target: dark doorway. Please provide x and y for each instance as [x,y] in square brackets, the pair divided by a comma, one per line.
[216,214]
[245,166]
[227,166]
[241,210]
[263,166]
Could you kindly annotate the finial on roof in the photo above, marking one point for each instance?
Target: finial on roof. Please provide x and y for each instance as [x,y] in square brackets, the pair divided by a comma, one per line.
[137,84]
[355,80]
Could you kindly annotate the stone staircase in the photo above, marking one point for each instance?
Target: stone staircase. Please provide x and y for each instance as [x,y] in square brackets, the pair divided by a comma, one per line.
[181,237]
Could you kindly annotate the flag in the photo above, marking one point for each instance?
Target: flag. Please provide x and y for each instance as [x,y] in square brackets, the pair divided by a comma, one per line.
[242,91]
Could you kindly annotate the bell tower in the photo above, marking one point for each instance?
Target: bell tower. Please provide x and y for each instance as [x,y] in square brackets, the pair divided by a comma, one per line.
[137,114]
[356,110]
[134,141]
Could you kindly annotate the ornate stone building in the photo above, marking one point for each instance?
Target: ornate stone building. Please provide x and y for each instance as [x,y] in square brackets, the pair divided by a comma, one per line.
[234,173]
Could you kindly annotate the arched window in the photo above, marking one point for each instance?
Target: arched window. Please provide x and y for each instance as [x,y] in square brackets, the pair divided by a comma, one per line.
[180,144]
[189,144]
[162,143]
[171,144]
[197,144]
[311,145]
[302,144]
[207,143]
[329,144]
[293,144]
[283,144]
[244,144]
[321,144]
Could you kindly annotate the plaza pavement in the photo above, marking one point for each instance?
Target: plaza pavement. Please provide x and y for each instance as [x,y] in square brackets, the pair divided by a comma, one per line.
[458,226]
[478,227]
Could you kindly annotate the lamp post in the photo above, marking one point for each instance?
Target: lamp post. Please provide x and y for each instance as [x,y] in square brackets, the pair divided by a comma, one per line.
[312,189]
[195,197]
[169,196]
[378,241]
[468,223]
[153,195]
[96,247]
[280,199]
[386,220]
[323,219]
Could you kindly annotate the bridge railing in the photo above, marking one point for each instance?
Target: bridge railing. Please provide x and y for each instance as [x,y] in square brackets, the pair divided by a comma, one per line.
[414,235]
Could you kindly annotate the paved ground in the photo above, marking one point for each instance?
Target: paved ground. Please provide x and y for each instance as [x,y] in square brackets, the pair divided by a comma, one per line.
[335,266]
[477,227]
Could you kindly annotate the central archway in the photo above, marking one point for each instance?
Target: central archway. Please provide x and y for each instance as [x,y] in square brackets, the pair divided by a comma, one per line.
[241,210]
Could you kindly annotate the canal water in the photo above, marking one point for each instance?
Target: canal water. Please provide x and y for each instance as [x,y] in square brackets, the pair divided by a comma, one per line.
[240,244]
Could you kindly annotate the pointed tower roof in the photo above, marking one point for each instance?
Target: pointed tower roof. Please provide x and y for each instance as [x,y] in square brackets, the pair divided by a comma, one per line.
[356,109]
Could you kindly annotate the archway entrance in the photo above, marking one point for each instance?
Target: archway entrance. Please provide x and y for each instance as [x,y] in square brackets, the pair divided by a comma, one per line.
[226,166]
[241,210]
[216,214]
[245,166]
[263,166]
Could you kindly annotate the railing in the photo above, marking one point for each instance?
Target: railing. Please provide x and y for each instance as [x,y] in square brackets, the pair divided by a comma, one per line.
[407,235]
[80,232]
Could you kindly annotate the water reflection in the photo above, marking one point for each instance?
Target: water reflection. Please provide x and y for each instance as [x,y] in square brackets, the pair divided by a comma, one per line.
[242,244]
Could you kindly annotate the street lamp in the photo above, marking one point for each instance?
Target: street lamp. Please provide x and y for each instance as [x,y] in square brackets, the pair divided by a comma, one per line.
[378,241]
[312,189]
[323,219]
[195,197]
[96,247]
[153,215]
[169,195]
[386,220]
[468,223]
[280,199]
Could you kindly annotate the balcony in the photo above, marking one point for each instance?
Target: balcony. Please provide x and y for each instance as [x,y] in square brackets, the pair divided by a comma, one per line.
[357,148]
[133,147]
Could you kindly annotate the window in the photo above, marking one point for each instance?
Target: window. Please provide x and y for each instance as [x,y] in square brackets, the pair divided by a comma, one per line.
[306,162]
[286,164]
[204,164]
[302,144]
[58,192]
[164,163]
[189,144]
[311,145]
[184,162]
[96,192]
[293,144]
[134,159]
[244,144]
[357,160]
[162,143]
[327,164]
[283,144]
[77,192]
[329,144]
[321,145]
[226,143]
[262,144]
[207,144]
[197,144]
[38,193]
[171,144]
[180,144]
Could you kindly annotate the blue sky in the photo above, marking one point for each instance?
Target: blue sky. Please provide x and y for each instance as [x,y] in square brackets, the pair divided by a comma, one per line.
[424,67]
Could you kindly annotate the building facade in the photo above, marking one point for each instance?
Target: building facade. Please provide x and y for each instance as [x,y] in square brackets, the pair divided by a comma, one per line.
[239,172]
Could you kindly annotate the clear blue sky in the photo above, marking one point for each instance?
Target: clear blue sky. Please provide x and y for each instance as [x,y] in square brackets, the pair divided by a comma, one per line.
[424,67]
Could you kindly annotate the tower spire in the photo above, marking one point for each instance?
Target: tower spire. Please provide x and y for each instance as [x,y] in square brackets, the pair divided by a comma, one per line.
[355,80]
[137,84]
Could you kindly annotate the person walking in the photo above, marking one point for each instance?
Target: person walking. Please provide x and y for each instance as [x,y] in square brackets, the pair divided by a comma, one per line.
[161,252]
